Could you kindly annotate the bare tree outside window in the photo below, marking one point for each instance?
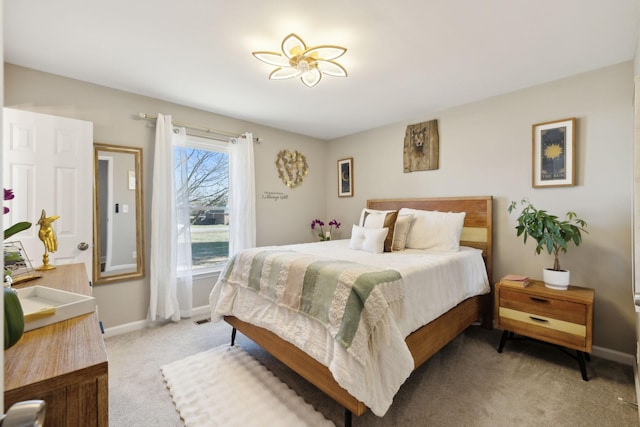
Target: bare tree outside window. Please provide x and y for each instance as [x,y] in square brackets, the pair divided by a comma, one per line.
[208,186]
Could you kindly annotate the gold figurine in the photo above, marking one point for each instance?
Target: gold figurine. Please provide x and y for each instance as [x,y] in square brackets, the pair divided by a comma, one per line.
[48,237]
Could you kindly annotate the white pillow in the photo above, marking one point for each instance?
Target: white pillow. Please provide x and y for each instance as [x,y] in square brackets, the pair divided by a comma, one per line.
[400,232]
[438,231]
[370,218]
[368,239]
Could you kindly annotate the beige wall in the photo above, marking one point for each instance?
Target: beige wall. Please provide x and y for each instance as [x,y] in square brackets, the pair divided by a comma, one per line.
[636,194]
[485,149]
[113,114]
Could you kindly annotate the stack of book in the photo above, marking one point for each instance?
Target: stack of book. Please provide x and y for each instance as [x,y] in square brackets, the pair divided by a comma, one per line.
[515,280]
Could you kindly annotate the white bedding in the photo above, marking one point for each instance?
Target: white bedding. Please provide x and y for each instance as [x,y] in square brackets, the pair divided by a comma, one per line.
[448,279]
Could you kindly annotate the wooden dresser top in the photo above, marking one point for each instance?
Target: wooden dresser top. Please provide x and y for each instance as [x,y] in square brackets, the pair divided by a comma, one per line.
[62,353]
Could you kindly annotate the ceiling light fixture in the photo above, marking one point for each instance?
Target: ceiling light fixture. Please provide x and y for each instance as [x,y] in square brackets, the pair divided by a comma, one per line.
[308,63]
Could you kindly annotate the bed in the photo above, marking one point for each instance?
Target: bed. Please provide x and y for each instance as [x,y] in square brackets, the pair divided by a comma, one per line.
[419,343]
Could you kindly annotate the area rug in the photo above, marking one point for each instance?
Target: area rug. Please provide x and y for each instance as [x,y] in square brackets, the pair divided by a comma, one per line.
[225,386]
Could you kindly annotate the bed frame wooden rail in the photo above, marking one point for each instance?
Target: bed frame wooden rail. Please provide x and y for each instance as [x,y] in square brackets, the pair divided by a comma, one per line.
[424,342]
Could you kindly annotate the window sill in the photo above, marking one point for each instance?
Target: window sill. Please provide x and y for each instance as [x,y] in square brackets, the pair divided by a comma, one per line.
[207,273]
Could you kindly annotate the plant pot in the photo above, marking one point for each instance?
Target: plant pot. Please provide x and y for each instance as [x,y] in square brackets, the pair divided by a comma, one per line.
[558,280]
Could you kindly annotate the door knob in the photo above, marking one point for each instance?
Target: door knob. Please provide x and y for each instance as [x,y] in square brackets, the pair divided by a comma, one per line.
[28,413]
[83,246]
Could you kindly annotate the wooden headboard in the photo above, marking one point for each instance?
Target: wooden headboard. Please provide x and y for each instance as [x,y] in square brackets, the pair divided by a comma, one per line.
[478,221]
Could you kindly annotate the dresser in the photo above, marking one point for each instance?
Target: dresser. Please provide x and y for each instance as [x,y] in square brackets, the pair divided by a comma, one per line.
[563,318]
[64,364]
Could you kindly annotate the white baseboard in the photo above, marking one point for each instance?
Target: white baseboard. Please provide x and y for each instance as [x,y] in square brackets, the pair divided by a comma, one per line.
[126,328]
[196,313]
[205,311]
[614,355]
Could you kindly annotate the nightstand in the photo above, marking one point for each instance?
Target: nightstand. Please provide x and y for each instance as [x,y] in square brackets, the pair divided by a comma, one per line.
[563,318]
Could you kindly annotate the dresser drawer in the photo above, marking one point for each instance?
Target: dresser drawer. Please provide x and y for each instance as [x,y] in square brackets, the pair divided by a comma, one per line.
[543,306]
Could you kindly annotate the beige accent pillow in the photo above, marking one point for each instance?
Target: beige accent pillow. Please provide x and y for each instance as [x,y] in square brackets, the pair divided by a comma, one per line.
[434,230]
[371,218]
[368,239]
[366,212]
[400,232]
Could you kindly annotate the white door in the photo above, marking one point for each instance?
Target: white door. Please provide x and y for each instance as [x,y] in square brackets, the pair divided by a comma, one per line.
[48,163]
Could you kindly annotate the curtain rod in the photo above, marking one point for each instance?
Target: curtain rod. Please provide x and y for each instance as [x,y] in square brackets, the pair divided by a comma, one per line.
[198,128]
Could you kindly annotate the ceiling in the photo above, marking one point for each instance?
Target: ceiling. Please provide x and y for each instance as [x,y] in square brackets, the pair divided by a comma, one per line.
[406,59]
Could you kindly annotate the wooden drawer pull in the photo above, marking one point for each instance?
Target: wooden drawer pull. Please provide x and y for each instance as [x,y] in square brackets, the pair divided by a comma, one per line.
[537,319]
[542,300]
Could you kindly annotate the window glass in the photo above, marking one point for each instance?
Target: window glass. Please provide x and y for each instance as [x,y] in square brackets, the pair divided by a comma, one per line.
[208,178]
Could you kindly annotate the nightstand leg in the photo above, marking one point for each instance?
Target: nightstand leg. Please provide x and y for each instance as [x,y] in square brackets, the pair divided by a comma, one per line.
[503,340]
[583,368]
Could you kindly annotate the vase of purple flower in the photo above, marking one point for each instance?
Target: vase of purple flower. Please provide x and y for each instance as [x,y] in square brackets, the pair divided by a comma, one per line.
[324,235]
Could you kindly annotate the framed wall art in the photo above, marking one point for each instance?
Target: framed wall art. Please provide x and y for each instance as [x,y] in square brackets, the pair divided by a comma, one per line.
[345,177]
[421,149]
[553,163]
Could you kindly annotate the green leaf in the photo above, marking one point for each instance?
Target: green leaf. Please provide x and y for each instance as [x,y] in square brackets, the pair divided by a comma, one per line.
[16,228]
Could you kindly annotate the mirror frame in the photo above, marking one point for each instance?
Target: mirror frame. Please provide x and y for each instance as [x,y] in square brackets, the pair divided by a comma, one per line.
[98,276]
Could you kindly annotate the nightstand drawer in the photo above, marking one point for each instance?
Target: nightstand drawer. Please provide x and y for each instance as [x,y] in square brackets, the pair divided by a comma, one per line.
[543,321]
[542,306]
[535,330]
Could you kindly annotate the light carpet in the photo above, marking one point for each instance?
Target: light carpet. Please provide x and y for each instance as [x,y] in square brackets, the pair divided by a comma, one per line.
[225,386]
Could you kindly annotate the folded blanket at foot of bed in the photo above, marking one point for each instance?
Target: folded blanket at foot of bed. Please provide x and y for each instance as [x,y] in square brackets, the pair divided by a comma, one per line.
[353,301]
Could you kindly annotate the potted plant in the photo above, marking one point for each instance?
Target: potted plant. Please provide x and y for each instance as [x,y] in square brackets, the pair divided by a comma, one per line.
[552,234]
[322,235]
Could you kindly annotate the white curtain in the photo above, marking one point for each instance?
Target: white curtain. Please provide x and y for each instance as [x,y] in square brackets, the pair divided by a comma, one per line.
[184,273]
[242,195]
[170,275]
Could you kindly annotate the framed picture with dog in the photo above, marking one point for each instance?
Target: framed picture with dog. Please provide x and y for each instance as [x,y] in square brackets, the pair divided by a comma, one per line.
[421,147]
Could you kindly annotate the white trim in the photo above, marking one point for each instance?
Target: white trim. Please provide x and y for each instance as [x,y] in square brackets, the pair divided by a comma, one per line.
[205,311]
[193,141]
[197,312]
[126,328]
[202,311]
[614,355]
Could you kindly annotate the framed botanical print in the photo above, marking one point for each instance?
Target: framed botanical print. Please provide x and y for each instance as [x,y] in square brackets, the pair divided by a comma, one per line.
[553,162]
[345,177]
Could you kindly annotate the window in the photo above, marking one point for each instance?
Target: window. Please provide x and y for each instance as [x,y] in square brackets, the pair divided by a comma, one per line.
[208,185]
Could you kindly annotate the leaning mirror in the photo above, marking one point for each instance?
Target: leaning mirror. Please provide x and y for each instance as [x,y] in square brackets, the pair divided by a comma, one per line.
[118,224]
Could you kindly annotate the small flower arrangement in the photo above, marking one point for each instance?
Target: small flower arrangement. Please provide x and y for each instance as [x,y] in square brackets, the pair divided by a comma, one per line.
[324,236]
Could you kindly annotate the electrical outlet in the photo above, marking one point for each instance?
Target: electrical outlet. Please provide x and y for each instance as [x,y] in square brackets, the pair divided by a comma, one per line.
[134,255]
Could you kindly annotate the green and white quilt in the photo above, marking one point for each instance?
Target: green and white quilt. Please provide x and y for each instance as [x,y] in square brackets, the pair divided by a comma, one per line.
[355,302]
